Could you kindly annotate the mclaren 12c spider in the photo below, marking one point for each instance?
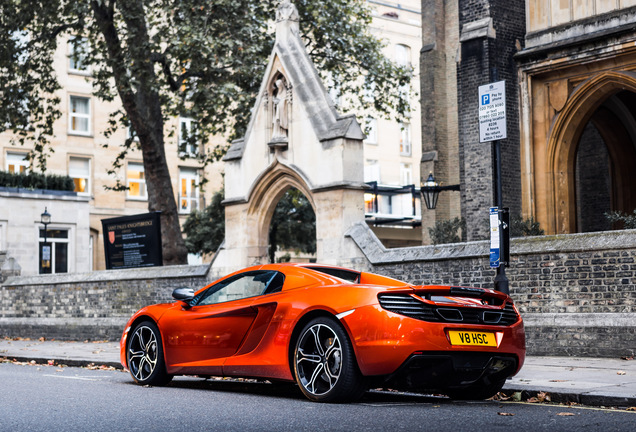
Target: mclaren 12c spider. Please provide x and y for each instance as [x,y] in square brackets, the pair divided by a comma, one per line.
[334,331]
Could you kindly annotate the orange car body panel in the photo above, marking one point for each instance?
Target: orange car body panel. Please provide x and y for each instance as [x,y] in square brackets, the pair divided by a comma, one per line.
[253,336]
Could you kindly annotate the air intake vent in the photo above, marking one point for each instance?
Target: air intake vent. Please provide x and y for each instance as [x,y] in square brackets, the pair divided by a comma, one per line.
[405,304]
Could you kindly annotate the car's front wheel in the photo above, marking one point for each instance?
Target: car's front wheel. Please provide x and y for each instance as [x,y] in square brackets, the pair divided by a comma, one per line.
[324,363]
[144,355]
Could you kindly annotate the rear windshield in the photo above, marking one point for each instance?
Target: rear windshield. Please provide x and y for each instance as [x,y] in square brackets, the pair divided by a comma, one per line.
[347,275]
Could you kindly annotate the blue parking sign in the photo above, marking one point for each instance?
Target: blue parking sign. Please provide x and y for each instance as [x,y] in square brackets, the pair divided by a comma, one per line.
[485,99]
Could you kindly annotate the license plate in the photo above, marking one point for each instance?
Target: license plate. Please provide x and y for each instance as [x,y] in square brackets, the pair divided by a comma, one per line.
[472,338]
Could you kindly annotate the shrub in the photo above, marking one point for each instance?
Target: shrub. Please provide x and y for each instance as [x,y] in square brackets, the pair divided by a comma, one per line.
[622,220]
[447,231]
[33,180]
[520,227]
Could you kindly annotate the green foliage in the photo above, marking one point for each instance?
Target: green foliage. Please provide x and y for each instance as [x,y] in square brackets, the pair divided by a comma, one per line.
[520,227]
[447,231]
[34,180]
[622,220]
[293,225]
[194,58]
[205,230]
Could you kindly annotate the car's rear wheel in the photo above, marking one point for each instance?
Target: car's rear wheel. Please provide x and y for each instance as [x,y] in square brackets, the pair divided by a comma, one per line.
[477,391]
[324,363]
[144,355]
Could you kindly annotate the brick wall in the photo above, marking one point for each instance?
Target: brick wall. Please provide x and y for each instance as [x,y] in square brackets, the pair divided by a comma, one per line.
[88,306]
[577,292]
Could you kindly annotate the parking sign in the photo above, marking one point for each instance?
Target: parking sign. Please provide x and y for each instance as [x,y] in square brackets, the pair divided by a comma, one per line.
[492,111]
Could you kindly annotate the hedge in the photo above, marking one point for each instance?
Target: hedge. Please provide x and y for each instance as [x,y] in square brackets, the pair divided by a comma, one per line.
[34,180]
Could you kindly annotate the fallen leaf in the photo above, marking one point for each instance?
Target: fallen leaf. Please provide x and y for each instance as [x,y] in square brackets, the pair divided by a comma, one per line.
[516,396]
[505,414]
[543,397]
[533,400]
[565,414]
[621,373]
[631,409]
[627,358]
[42,339]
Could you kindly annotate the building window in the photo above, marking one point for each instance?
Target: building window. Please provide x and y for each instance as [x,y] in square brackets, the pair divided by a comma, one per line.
[17,163]
[405,139]
[80,115]
[77,49]
[371,129]
[372,171]
[54,254]
[406,174]
[188,137]
[403,55]
[189,190]
[79,169]
[136,179]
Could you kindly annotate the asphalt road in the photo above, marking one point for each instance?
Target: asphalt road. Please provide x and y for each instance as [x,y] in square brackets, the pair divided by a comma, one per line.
[52,398]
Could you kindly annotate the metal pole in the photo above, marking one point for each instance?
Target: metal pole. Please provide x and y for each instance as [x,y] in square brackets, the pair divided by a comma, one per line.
[501,281]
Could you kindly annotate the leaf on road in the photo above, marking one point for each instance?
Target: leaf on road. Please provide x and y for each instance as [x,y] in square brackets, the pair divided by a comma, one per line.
[631,409]
[559,380]
[505,414]
[621,373]
[565,414]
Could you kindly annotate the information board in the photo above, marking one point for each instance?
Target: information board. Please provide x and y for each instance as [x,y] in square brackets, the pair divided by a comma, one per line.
[133,241]
[492,112]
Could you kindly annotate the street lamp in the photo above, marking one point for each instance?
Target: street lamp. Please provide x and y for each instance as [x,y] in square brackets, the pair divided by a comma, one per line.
[430,190]
[45,219]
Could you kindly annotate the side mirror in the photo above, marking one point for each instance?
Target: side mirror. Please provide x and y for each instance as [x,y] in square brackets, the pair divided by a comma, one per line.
[183,294]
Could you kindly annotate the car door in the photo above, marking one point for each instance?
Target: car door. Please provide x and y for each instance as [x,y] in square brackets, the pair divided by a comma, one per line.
[199,338]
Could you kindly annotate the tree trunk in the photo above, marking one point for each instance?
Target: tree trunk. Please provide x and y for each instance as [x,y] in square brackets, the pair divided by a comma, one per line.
[137,89]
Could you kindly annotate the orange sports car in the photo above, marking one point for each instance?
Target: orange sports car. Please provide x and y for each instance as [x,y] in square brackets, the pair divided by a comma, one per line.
[334,331]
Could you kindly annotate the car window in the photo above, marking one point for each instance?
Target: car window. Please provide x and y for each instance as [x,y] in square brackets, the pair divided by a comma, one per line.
[241,286]
[346,275]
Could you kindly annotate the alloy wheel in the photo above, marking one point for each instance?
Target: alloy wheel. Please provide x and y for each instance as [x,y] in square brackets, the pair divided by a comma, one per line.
[142,353]
[319,359]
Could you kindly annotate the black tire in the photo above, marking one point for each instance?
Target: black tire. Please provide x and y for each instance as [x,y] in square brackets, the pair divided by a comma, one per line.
[324,363]
[479,391]
[144,355]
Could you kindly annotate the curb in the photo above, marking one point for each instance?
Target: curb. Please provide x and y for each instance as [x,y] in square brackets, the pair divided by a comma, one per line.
[63,361]
[563,397]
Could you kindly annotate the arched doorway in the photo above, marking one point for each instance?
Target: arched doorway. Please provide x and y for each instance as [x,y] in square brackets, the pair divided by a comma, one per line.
[292,229]
[592,154]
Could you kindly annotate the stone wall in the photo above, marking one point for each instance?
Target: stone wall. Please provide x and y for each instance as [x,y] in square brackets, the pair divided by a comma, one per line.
[576,293]
[88,306]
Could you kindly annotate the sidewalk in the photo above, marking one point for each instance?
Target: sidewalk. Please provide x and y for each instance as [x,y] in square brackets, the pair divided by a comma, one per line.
[588,381]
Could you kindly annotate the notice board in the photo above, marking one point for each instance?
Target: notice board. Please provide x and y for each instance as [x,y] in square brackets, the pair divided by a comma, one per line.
[133,241]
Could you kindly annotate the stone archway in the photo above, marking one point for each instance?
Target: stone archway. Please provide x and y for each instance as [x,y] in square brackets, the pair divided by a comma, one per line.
[264,197]
[591,101]
[295,138]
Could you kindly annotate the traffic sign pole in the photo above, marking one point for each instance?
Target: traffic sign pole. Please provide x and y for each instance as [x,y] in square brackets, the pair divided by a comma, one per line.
[492,127]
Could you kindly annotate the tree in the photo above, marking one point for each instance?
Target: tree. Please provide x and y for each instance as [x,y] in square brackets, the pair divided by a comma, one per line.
[293,225]
[205,230]
[162,59]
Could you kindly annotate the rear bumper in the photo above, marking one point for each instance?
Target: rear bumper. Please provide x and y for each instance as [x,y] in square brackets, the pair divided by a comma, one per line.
[384,341]
[439,371]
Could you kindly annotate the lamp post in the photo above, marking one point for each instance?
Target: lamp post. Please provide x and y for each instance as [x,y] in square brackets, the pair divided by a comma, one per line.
[430,190]
[45,219]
